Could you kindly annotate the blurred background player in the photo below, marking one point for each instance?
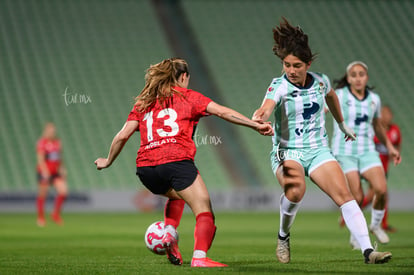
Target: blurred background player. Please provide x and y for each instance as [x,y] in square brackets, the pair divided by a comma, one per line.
[165,114]
[300,142]
[394,135]
[361,110]
[50,171]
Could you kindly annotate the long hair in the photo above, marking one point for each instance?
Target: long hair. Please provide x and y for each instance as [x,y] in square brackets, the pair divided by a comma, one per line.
[291,40]
[159,81]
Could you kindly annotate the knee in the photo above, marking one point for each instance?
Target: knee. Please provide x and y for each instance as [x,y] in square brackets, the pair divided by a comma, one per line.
[380,194]
[294,191]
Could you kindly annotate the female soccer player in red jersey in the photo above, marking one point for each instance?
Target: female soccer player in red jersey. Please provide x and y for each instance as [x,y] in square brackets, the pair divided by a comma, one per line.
[50,170]
[165,114]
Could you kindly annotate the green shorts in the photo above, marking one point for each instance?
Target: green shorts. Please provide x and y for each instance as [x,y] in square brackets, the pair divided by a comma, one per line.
[360,163]
[310,159]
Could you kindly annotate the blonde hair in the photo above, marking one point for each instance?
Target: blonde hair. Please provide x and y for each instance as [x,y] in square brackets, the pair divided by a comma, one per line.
[159,81]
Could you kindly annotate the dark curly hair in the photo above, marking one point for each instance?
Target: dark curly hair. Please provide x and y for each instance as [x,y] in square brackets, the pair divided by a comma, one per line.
[291,40]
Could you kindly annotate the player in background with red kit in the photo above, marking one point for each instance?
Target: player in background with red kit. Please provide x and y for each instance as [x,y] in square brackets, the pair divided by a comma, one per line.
[165,114]
[50,171]
[394,135]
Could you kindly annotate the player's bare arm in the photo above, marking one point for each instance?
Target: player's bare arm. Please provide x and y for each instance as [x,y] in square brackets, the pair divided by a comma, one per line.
[263,113]
[335,108]
[117,144]
[237,118]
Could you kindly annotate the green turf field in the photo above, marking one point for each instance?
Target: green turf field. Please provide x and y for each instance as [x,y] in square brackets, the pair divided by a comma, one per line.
[113,244]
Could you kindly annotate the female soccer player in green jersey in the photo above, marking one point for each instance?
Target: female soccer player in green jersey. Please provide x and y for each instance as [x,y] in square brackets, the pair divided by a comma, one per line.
[300,143]
[361,108]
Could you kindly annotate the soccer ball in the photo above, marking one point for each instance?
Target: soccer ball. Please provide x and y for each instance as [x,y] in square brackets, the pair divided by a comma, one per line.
[153,238]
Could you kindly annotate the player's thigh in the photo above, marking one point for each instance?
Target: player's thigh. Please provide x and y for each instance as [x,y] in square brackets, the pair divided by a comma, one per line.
[330,179]
[196,196]
[291,177]
[376,178]
[60,185]
[355,185]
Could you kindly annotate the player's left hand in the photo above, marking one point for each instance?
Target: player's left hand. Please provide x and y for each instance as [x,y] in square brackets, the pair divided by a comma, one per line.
[349,134]
[102,163]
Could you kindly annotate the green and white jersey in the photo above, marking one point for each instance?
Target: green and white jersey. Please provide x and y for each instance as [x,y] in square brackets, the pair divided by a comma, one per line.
[299,112]
[358,115]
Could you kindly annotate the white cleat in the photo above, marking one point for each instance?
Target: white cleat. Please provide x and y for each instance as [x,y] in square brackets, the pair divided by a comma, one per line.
[283,250]
[382,237]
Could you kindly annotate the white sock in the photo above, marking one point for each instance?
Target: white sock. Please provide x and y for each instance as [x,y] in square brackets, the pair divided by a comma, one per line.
[199,254]
[356,223]
[288,212]
[376,217]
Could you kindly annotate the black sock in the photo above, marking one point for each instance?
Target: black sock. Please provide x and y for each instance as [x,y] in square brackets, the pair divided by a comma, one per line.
[283,238]
[367,252]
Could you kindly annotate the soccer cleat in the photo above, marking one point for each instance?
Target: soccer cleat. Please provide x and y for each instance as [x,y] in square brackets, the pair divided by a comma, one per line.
[41,222]
[375,257]
[283,249]
[171,245]
[354,243]
[205,262]
[56,218]
[382,237]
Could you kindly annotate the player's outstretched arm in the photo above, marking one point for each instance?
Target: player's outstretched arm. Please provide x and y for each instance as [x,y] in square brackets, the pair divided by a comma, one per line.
[237,118]
[335,108]
[117,144]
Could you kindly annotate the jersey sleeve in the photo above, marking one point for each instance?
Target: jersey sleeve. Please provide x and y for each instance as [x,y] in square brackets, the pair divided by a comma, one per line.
[134,115]
[397,129]
[199,103]
[273,90]
[40,146]
[377,112]
[326,84]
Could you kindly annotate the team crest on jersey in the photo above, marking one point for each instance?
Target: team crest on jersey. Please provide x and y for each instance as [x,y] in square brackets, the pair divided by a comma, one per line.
[270,89]
[321,86]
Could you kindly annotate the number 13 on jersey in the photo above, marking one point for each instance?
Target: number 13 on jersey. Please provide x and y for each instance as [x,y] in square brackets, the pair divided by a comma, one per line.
[170,121]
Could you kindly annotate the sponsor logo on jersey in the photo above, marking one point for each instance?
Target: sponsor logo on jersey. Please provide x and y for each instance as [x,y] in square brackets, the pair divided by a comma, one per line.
[310,109]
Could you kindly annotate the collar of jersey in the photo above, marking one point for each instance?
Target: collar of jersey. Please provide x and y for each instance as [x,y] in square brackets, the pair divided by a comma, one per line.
[365,96]
[300,87]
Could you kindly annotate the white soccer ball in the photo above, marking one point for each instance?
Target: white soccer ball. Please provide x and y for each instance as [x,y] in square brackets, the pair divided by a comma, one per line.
[153,238]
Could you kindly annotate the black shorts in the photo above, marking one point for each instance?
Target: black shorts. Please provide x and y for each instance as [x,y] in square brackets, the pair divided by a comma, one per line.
[51,178]
[177,175]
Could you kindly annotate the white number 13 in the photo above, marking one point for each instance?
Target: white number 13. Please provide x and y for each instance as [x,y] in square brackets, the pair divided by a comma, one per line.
[168,122]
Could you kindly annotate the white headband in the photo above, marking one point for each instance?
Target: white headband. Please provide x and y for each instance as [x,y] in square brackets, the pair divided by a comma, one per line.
[348,68]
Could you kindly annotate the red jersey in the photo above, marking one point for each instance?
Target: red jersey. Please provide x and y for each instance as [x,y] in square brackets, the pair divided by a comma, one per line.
[52,151]
[166,131]
[394,135]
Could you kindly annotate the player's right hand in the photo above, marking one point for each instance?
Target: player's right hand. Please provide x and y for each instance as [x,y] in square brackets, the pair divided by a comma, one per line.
[102,163]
